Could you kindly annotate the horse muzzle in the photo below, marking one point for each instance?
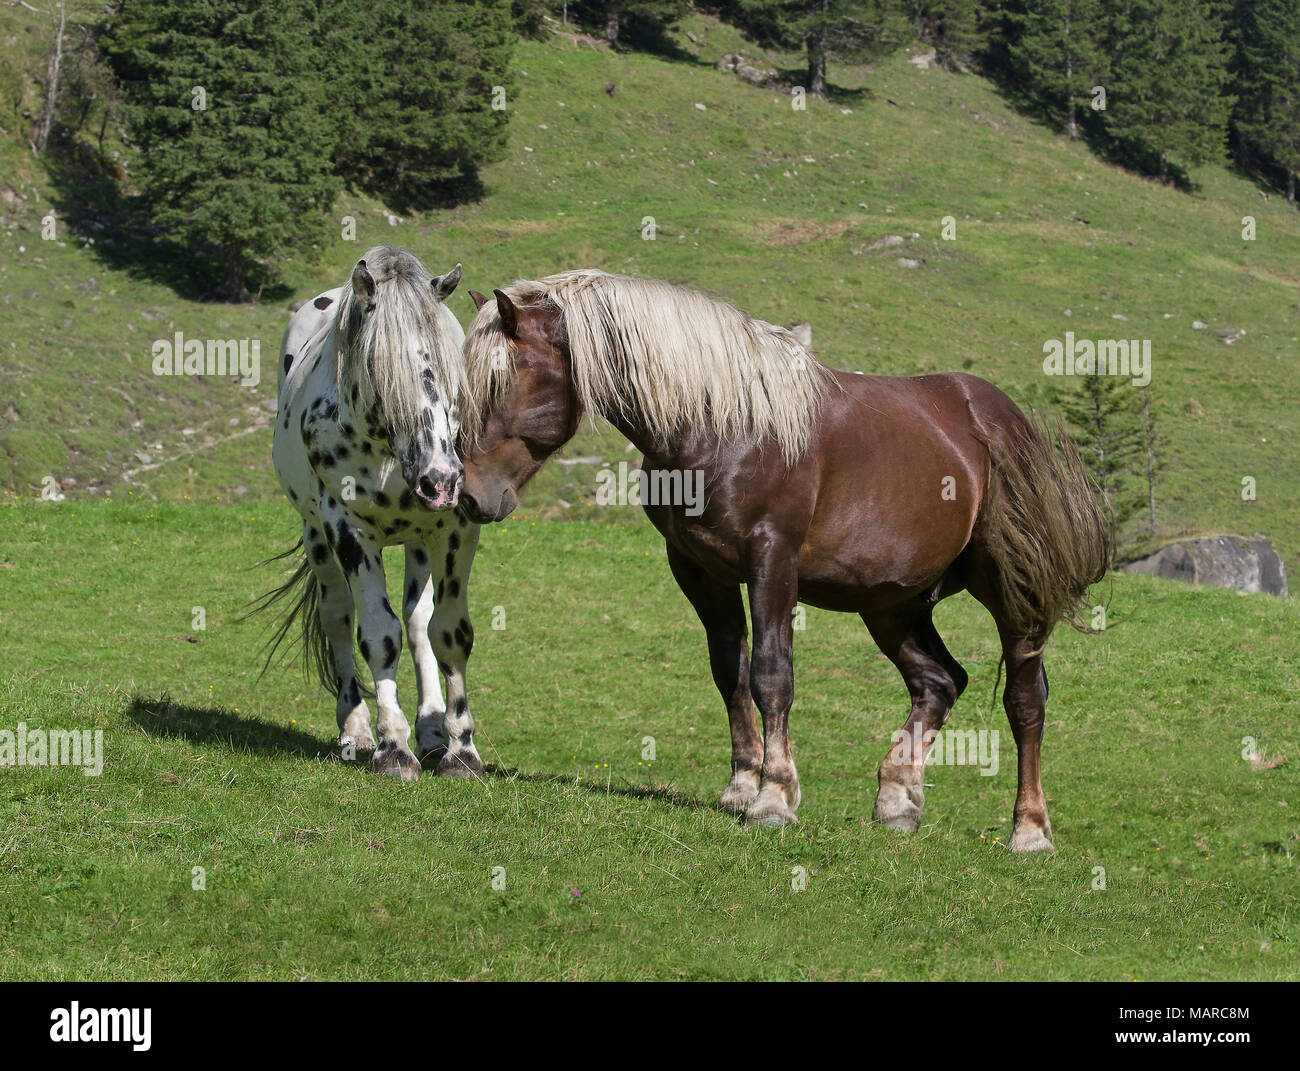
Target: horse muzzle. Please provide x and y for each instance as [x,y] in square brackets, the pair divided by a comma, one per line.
[438,491]
[505,505]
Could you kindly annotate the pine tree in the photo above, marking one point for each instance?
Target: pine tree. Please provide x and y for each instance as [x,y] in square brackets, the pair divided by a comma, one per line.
[956,28]
[1058,49]
[224,102]
[1267,83]
[646,18]
[421,94]
[1168,93]
[58,13]
[843,30]
[1152,443]
[1104,424]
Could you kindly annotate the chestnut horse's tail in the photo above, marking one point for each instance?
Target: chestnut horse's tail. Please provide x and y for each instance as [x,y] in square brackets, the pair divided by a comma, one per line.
[1043,526]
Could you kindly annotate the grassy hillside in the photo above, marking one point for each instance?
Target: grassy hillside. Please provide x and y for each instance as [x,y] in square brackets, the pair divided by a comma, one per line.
[779,211]
[616,867]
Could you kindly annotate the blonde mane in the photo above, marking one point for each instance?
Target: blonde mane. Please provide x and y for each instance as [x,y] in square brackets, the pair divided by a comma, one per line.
[383,351]
[662,355]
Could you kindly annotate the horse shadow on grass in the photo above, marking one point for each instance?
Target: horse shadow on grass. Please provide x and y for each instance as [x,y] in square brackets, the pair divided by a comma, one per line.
[627,789]
[211,725]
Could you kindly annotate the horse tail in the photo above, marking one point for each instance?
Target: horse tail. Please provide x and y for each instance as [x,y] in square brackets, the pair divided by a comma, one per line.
[1045,525]
[305,610]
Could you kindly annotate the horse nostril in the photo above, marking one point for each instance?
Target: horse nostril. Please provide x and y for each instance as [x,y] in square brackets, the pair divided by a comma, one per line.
[427,487]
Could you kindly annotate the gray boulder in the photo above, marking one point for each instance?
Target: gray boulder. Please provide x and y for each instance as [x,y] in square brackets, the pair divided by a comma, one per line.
[1224,561]
[746,72]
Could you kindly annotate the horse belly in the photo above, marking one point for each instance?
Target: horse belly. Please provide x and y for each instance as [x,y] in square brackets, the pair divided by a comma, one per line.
[863,587]
[875,551]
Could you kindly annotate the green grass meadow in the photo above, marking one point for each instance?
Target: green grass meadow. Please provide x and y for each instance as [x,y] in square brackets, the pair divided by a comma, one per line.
[577,856]
[614,867]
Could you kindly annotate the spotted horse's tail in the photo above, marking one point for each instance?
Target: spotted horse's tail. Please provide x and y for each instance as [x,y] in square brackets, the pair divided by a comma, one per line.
[305,610]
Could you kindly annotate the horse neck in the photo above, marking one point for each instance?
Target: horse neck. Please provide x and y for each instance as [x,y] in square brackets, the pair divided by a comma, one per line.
[635,432]
[357,414]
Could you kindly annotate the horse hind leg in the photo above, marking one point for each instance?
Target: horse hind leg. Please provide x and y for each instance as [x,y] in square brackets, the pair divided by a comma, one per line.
[1024,698]
[934,680]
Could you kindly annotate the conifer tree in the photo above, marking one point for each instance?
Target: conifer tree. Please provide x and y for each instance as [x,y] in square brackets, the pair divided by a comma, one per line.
[956,28]
[1058,47]
[422,93]
[615,17]
[1104,424]
[223,100]
[1267,82]
[1168,92]
[826,30]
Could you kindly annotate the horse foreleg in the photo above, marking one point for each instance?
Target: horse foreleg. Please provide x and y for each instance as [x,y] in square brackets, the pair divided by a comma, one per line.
[773,594]
[379,634]
[453,639]
[417,608]
[335,611]
[722,613]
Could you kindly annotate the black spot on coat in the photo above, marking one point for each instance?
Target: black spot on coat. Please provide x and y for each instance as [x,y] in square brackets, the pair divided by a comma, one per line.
[350,552]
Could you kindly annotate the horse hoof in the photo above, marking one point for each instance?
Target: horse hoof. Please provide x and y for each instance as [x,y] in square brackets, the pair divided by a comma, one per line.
[393,761]
[430,757]
[354,746]
[735,798]
[460,764]
[1030,839]
[905,818]
[770,813]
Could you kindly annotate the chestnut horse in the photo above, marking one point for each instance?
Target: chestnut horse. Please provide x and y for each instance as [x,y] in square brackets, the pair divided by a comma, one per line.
[873,495]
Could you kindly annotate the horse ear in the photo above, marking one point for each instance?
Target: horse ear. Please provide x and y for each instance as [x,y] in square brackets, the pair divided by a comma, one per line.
[363,284]
[444,285]
[478,299]
[509,316]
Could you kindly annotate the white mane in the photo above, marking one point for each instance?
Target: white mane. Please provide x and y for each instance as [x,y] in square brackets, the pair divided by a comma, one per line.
[661,354]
